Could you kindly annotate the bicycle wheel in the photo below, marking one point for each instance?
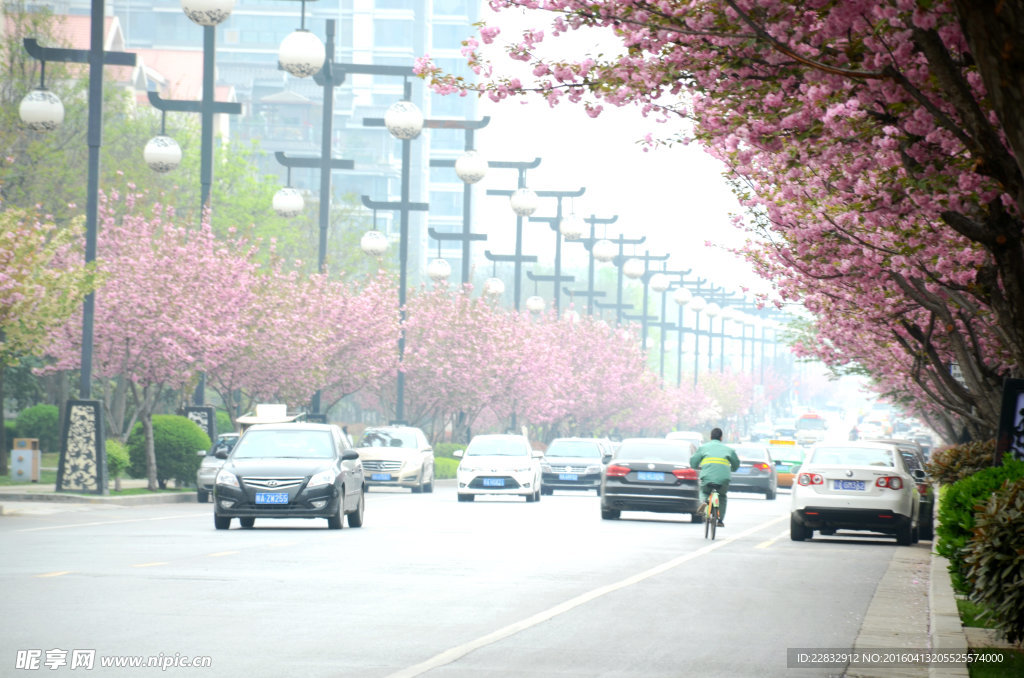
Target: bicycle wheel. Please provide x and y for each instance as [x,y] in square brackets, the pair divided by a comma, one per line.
[713,521]
[707,519]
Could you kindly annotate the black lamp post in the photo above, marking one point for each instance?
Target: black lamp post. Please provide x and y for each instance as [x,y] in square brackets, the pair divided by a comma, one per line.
[619,260]
[83,462]
[639,268]
[518,258]
[663,324]
[555,223]
[589,243]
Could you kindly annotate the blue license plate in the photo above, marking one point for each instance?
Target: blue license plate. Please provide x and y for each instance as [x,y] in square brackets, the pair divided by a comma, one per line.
[380,476]
[848,485]
[494,482]
[271,497]
[743,469]
[656,476]
[568,476]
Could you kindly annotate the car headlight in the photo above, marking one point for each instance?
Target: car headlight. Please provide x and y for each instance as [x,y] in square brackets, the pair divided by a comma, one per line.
[594,468]
[227,478]
[322,478]
[466,469]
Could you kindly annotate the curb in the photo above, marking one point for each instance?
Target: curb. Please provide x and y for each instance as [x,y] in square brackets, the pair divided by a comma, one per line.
[945,630]
[130,500]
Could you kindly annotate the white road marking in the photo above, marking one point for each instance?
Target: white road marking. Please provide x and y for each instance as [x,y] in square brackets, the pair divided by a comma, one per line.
[460,651]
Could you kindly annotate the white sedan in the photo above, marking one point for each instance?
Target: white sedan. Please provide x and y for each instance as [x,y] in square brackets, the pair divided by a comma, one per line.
[499,464]
[855,486]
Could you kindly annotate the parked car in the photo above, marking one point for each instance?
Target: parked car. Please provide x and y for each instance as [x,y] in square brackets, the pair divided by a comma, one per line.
[650,474]
[296,470]
[810,429]
[785,428]
[397,456]
[855,486]
[915,460]
[757,471]
[499,464]
[695,438]
[573,464]
[211,463]
[788,458]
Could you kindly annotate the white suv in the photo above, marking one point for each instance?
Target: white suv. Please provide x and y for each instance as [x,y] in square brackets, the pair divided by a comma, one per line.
[855,486]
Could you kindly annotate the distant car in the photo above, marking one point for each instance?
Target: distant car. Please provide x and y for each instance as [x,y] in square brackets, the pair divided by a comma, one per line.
[761,431]
[856,486]
[499,464]
[810,429]
[695,438]
[573,464]
[211,463]
[650,474]
[788,458]
[757,471]
[785,428]
[397,456]
[295,470]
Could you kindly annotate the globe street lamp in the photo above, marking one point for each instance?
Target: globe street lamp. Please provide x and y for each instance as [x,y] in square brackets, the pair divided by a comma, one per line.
[301,52]
[522,205]
[697,304]
[712,310]
[555,223]
[594,246]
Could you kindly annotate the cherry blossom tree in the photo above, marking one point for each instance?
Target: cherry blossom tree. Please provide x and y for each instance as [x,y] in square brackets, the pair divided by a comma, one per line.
[876,144]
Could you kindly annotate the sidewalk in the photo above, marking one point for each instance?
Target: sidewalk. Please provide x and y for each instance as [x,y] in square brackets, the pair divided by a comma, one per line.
[14,497]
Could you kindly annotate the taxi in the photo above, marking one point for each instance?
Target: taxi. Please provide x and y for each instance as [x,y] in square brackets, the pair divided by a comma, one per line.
[788,457]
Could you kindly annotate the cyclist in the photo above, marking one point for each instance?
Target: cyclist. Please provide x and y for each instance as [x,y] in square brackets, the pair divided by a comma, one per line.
[716,462]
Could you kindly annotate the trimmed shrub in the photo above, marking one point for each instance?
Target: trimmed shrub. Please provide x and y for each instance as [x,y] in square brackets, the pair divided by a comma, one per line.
[995,559]
[960,501]
[447,449]
[224,423]
[42,422]
[176,441]
[444,467]
[118,460]
[955,462]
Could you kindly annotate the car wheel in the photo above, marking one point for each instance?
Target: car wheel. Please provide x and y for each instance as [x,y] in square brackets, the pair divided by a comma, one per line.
[545,490]
[610,514]
[355,519]
[598,490]
[247,523]
[336,522]
[904,535]
[537,495]
[925,529]
[429,487]
[797,531]
[202,496]
[221,523]
[465,497]
[770,494]
[532,497]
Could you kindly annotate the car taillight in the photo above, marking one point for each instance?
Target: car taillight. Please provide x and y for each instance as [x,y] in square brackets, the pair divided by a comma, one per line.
[806,479]
[761,466]
[922,488]
[615,471]
[892,482]
[685,473]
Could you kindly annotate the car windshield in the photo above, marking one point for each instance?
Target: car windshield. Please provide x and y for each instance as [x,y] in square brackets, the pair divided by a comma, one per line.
[300,444]
[653,450]
[512,446]
[852,456]
[379,437]
[811,424]
[574,448]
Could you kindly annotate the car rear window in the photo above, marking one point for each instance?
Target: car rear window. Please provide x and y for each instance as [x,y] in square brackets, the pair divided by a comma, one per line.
[752,453]
[574,448]
[654,450]
[285,444]
[811,424]
[852,456]
[389,438]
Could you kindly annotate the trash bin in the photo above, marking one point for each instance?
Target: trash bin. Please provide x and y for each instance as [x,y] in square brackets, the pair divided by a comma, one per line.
[25,458]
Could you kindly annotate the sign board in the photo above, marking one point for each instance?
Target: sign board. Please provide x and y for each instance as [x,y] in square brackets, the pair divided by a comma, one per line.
[1010,435]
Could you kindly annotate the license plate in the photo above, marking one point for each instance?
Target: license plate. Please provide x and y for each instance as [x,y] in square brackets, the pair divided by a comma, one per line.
[848,485]
[271,497]
[656,476]
[494,482]
[568,476]
[743,469]
[380,476]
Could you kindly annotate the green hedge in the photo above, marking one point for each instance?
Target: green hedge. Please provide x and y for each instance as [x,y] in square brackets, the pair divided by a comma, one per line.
[444,467]
[446,449]
[41,422]
[960,501]
[176,441]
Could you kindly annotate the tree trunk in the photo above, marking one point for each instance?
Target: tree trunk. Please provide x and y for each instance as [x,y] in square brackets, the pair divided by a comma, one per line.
[3,426]
[147,427]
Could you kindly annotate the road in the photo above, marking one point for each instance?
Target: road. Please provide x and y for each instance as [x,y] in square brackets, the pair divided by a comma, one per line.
[432,587]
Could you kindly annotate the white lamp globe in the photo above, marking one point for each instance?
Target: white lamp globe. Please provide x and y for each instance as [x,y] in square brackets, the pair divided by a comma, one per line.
[288,202]
[572,227]
[404,120]
[162,153]
[571,316]
[439,270]
[535,304]
[374,243]
[682,296]
[604,250]
[634,268]
[712,309]
[523,202]
[494,287]
[659,282]
[41,110]
[471,167]
[207,12]
[301,53]
[698,304]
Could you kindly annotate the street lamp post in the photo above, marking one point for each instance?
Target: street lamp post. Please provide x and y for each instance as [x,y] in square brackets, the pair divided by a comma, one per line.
[589,243]
[470,168]
[518,258]
[639,268]
[618,260]
[555,223]
[82,445]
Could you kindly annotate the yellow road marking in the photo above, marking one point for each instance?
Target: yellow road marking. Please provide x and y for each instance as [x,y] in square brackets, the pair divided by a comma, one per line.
[54,574]
[766,544]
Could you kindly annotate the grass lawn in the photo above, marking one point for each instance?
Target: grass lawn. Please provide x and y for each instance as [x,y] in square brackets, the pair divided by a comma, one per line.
[970,614]
[45,478]
[1012,664]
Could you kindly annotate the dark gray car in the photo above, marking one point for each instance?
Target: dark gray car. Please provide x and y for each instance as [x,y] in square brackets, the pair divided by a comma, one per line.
[573,464]
[650,474]
[757,472]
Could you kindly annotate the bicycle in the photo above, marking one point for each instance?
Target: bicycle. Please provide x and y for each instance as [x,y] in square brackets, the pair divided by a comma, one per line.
[711,511]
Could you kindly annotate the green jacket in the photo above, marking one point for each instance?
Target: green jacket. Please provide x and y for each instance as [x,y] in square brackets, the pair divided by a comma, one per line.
[716,462]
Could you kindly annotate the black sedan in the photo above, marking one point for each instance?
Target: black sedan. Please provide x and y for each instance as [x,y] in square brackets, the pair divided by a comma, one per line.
[295,470]
[650,474]
[573,464]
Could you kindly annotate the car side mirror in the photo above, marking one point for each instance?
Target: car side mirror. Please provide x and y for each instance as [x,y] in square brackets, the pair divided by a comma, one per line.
[221,454]
[458,454]
[919,474]
[606,458]
[349,455]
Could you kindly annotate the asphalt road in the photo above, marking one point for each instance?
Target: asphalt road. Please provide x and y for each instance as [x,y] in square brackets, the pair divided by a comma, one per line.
[432,587]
